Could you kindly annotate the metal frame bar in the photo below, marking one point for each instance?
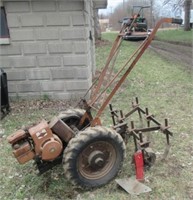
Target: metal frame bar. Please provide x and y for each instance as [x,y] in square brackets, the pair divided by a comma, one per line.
[134,58]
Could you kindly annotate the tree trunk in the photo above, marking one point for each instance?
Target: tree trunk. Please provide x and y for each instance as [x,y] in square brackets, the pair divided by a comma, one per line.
[97,28]
[187,6]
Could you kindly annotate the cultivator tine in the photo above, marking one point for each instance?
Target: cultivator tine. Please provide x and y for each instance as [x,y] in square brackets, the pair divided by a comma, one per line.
[121,116]
[135,136]
[113,113]
[147,117]
[140,137]
[136,104]
[168,146]
[166,151]
[135,142]
[137,132]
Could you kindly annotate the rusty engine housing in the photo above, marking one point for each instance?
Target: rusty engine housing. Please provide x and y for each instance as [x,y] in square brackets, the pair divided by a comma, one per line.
[38,141]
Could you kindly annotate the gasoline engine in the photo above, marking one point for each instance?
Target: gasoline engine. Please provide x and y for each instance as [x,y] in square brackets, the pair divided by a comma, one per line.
[36,142]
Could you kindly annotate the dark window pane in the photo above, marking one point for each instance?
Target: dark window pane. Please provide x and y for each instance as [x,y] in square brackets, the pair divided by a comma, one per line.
[4,31]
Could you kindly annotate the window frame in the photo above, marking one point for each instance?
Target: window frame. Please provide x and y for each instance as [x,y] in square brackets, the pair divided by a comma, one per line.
[4,33]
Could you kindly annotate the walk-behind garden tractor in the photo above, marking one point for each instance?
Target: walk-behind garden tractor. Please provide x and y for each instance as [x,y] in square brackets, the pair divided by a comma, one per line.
[90,153]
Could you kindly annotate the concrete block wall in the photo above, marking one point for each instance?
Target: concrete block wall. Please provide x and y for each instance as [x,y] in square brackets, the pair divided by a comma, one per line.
[51,50]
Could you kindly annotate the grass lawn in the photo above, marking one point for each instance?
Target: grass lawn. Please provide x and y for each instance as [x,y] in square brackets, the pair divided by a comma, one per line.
[162,86]
[176,35]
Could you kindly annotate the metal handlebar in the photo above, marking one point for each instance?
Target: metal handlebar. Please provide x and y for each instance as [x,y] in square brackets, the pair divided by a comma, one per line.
[135,57]
[177,21]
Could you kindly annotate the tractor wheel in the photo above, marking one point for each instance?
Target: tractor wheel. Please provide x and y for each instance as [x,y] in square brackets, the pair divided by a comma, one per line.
[72,118]
[94,157]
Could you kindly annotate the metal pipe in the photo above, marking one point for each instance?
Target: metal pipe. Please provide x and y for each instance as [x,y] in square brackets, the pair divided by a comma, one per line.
[116,75]
[147,43]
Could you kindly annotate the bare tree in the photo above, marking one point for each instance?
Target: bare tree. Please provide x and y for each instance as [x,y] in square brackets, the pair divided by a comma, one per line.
[187,6]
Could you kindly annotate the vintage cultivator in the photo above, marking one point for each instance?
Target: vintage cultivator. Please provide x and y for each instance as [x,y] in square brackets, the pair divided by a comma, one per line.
[91,154]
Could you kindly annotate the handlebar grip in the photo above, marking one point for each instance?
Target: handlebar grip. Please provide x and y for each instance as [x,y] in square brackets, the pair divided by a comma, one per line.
[176,21]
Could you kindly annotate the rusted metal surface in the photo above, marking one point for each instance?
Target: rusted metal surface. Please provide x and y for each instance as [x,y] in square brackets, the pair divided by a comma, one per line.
[146,43]
[97,96]
[40,133]
[131,62]
[47,145]
[61,129]
[22,149]
[87,115]
[23,152]
[18,135]
[96,160]
[37,141]
[96,122]
[112,53]
[126,128]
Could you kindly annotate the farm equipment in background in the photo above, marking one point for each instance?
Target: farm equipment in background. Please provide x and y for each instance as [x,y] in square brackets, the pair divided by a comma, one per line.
[136,27]
[92,154]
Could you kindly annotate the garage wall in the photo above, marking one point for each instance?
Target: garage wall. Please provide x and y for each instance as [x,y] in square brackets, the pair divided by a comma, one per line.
[51,50]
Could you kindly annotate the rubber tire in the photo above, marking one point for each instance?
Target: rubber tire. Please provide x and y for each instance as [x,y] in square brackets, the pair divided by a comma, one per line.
[83,140]
[73,116]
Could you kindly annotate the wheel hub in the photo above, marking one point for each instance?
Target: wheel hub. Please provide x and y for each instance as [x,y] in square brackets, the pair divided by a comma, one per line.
[96,159]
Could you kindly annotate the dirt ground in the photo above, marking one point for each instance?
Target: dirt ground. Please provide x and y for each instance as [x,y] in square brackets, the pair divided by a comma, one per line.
[179,53]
